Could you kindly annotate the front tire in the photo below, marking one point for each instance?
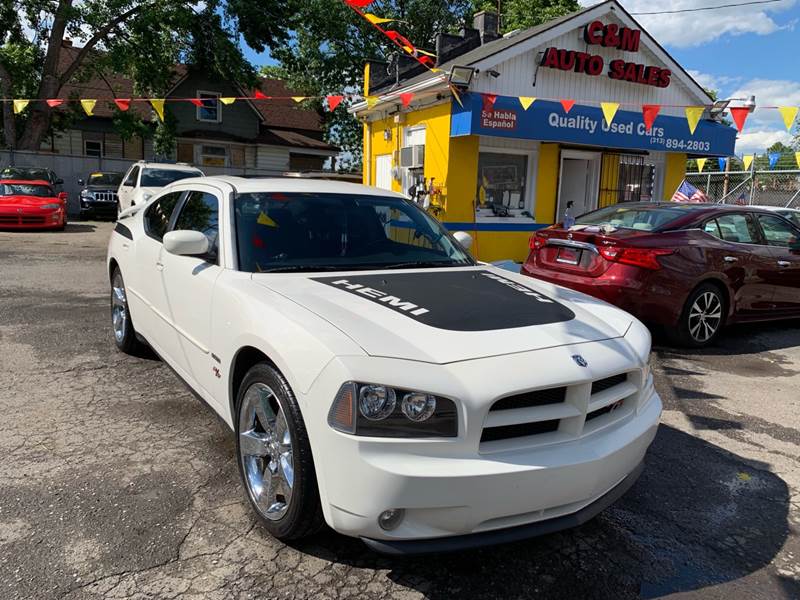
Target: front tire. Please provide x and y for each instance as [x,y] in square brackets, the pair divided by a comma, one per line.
[274,455]
[702,318]
[121,322]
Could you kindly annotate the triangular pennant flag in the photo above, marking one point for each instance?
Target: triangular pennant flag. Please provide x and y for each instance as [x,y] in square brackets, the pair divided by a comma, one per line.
[722,162]
[376,20]
[298,98]
[334,101]
[649,114]
[358,3]
[526,102]
[426,53]
[19,106]
[123,103]
[196,101]
[259,95]
[88,106]
[747,160]
[701,162]
[371,101]
[774,157]
[789,114]
[488,101]
[435,70]
[609,110]
[797,159]
[53,102]
[739,115]
[158,106]
[693,114]
[406,99]
[567,105]
[227,100]
[263,219]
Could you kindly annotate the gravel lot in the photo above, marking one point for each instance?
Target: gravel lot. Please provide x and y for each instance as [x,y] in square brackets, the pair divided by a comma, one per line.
[117,483]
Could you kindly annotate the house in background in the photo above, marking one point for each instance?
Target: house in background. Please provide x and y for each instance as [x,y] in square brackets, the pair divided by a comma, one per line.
[269,136]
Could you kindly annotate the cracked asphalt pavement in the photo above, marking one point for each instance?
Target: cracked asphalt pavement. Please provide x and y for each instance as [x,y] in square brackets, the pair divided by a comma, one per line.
[115,482]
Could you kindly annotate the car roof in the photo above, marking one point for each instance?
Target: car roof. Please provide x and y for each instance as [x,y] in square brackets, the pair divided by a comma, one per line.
[26,181]
[775,208]
[244,185]
[691,207]
[170,166]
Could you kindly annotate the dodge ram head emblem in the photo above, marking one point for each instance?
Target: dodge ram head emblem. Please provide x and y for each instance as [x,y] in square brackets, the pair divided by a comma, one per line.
[579,360]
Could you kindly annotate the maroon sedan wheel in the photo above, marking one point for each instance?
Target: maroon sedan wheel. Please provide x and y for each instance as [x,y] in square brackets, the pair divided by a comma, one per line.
[703,316]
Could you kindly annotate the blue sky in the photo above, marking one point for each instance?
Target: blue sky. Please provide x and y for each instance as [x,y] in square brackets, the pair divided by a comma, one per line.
[737,51]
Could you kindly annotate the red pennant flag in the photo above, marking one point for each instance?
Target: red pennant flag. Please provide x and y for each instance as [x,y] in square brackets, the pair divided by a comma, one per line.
[401,41]
[567,105]
[425,60]
[488,101]
[123,103]
[196,101]
[334,101]
[649,114]
[739,115]
[261,95]
[406,99]
[358,3]
[53,102]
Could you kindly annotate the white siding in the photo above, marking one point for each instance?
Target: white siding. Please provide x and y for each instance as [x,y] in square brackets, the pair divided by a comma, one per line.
[517,74]
[272,158]
[250,156]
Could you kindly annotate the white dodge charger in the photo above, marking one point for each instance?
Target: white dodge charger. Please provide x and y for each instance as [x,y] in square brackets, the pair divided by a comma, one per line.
[377,378]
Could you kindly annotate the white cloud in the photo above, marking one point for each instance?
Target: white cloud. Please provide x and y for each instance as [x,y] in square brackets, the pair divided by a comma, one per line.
[757,142]
[688,29]
[768,92]
[714,82]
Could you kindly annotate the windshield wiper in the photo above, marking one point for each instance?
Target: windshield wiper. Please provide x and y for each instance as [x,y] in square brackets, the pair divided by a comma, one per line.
[302,268]
[421,264]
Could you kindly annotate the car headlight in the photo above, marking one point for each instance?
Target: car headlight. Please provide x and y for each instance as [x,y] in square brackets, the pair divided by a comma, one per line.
[371,409]
[87,194]
[50,206]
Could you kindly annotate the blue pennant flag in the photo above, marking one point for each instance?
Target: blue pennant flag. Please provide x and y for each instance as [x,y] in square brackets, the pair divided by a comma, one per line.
[722,162]
[773,159]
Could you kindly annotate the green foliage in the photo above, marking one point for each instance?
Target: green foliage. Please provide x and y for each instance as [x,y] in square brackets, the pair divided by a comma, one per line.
[129,126]
[164,136]
[522,14]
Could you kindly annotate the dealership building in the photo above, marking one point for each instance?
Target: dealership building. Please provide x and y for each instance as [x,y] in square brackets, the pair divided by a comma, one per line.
[492,141]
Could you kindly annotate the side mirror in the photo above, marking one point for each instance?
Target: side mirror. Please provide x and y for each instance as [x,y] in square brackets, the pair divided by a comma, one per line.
[463,238]
[63,196]
[80,181]
[59,181]
[186,243]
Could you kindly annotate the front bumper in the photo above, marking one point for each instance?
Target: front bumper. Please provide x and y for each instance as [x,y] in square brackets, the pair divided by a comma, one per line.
[32,218]
[456,487]
[92,208]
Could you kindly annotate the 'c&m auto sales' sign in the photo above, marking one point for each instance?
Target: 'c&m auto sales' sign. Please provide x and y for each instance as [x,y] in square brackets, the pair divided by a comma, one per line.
[608,36]
[546,121]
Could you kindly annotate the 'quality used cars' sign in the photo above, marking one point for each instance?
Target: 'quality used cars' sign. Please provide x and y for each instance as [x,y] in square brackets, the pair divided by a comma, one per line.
[546,121]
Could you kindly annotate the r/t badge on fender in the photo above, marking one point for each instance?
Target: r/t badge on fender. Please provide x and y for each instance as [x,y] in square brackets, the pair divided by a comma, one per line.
[579,360]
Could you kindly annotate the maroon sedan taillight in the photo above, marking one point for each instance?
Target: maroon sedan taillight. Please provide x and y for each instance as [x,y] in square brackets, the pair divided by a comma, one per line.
[647,258]
[537,241]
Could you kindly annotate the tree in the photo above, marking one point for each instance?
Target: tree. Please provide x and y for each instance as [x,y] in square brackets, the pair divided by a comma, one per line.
[141,38]
[522,14]
[786,160]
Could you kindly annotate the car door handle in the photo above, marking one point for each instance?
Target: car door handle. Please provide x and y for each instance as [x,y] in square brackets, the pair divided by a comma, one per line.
[784,263]
[730,259]
[160,266]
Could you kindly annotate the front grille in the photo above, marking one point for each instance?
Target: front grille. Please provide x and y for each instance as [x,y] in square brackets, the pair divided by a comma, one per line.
[105,196]
[21,220]
[32,220]
[559,413]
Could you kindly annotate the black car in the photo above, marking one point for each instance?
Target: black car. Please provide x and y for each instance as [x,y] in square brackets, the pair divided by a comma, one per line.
[33,174]
[99,195]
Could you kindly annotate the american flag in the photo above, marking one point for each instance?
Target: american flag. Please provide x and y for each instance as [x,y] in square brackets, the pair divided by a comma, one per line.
[686,192]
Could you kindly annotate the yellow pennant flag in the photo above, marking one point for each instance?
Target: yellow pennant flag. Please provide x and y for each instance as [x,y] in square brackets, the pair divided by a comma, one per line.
[701,162]
[376,20]
[609,110]
[298,98]
[88,106]
[19,106]
[227,100]
[789,114]
[797,159]
[158,106]
[426,53]
[526,101]
[747,160]
[693,114]
[435,70]
[263,219]
[371,101]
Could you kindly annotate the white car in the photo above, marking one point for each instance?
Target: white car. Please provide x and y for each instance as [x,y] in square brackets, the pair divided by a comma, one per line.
[144,179]
[376,377]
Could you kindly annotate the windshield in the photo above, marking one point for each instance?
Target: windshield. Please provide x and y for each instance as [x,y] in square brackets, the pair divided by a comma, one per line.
[162,177]
[22,189]
[17,173]
[645,218]
[308,232]
[792,215]
[105,179]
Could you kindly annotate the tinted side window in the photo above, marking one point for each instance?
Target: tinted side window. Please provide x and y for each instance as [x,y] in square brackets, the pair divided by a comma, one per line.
[200,213]
[130,180]
[777,232]
[157,215]
[737,228]
[712,228]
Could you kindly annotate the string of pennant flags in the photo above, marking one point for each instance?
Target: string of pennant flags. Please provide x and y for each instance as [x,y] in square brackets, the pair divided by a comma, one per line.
[747,161]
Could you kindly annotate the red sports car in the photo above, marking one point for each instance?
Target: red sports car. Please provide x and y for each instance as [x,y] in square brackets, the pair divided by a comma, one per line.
[691,268]
[31,205]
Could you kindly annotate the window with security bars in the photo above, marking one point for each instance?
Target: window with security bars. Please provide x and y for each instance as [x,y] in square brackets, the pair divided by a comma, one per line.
[626,178]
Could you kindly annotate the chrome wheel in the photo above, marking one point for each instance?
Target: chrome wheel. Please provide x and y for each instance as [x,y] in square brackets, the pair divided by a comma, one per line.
[265,449]
[119,308]
[705,316]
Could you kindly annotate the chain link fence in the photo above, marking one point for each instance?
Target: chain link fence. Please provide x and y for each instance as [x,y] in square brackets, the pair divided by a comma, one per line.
[764,188]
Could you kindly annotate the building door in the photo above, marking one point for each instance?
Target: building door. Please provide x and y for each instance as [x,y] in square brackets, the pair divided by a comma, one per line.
[578,183]
[383,171]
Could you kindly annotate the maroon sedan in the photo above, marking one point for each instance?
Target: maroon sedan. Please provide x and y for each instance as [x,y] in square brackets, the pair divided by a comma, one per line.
[691,268]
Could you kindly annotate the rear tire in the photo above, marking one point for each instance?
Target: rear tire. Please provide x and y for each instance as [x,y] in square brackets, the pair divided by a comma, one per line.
[121,322]
[274,456]
[702,318]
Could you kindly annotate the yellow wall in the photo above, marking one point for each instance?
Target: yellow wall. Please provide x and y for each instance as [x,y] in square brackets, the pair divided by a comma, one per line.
[674,171]
[547,183]
[609,179]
